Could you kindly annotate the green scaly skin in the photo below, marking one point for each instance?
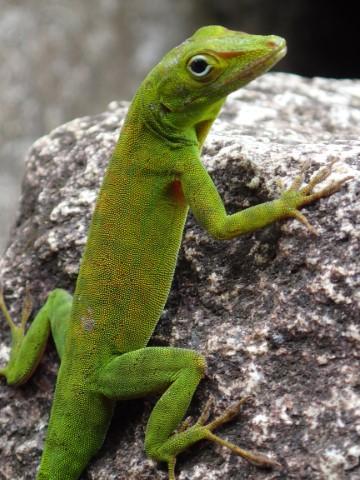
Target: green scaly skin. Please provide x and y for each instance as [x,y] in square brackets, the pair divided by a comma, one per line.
[154,176]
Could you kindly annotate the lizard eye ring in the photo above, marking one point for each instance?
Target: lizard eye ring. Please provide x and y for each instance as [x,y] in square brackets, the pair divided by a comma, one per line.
[199,66]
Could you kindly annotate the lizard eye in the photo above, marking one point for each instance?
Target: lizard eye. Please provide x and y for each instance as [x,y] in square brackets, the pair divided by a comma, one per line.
[199,66]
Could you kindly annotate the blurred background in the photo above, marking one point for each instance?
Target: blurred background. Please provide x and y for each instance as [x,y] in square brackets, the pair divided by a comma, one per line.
[69,58]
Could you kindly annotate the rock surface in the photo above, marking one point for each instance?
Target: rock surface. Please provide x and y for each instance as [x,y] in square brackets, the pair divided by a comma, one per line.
[276,313]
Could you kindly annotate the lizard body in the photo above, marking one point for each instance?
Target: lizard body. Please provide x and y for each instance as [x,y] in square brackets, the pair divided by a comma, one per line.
[155,175]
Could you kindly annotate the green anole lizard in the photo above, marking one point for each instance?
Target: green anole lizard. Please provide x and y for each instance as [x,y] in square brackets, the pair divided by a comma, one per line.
[154,177]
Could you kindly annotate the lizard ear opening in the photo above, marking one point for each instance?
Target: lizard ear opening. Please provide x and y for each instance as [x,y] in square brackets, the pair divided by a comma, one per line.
[165,108]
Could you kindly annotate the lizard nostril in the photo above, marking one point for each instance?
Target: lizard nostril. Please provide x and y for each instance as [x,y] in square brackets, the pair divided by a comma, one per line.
[272,44]
[275,42]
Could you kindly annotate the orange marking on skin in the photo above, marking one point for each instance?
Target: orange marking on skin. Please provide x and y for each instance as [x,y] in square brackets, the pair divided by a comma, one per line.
[177,192]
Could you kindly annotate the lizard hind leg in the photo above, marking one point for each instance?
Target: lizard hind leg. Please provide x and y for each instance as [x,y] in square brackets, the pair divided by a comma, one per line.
[27,347]
[175,373]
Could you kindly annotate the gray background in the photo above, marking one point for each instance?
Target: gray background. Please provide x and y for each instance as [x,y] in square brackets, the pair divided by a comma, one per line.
[69,58]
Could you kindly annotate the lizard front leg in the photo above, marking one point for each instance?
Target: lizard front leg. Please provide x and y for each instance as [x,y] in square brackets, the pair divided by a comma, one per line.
[208,208]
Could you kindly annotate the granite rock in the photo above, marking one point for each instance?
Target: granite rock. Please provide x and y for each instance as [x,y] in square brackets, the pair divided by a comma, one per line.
[276,313]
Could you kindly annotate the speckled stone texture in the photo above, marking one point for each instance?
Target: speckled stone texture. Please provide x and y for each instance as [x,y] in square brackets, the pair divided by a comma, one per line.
[276,313]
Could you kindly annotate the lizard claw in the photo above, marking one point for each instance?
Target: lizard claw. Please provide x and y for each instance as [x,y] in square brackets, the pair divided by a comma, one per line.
[327,191]
[5,311]
[205,414]
[296,197]
[298,180]
[302,218]
[26,308]
[322,174]
[25,312]
[319,177]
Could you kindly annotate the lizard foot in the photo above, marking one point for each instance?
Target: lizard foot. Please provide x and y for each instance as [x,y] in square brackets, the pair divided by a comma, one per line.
[17,332]
[256,458]
[296,197]
[205,414]
[205,431]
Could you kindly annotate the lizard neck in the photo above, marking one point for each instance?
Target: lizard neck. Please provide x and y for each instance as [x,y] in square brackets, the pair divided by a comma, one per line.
[154,118]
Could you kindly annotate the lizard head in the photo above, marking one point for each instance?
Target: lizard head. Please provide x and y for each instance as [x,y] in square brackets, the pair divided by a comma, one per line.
[198,74]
